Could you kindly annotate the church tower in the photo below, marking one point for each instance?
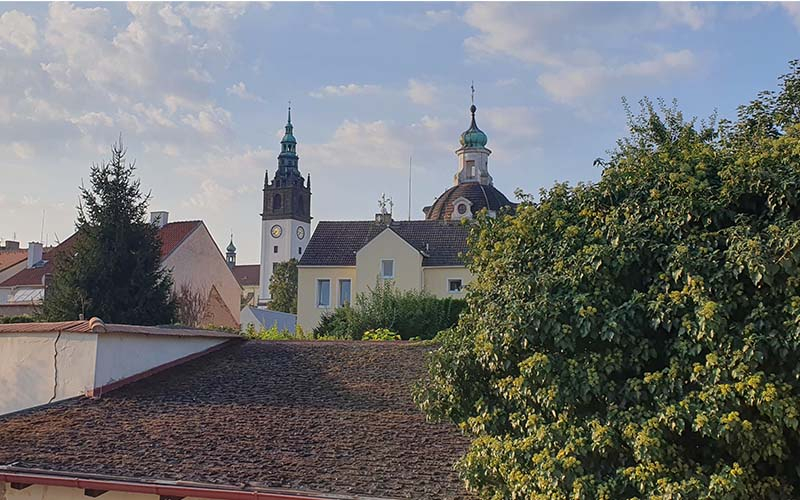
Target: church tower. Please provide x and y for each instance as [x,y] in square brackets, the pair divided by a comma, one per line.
[286,212]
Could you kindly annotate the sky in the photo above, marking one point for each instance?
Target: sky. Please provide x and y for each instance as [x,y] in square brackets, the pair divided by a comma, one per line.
[199,94]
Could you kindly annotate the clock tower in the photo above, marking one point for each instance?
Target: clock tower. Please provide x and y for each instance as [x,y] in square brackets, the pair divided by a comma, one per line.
[286,212]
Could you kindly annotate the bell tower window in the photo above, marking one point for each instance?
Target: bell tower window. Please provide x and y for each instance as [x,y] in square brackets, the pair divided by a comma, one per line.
[276,202]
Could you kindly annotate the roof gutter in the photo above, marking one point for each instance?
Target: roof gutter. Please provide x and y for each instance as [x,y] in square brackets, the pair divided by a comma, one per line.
[178,489]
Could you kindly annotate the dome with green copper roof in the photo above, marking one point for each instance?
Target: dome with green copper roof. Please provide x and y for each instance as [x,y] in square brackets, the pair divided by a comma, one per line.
[473,137]
[231,246]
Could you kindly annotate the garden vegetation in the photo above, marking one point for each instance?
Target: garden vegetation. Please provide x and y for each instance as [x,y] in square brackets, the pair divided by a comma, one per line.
[639,337]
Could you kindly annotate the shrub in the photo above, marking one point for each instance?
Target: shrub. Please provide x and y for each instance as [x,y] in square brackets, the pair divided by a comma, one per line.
[410,313]
[17,319]
[273,333]
[639,337]
[380,334]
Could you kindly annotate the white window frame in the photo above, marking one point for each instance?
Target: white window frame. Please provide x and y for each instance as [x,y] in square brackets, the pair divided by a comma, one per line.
[318,301]
[461,288]
[382,268]
[339,295]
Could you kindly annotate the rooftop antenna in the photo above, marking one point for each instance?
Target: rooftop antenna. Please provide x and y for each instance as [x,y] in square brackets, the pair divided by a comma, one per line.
[41,234]
[409,187]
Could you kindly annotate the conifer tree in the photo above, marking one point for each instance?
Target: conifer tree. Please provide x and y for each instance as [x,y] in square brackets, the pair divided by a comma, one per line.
[112,267]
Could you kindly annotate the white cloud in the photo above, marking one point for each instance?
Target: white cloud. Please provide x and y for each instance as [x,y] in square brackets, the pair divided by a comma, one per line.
[345,90]
[793,9]
[19,30]
[428,19]
[240,90]
[210,121]
[511,121]
[570,84]
[576,47]
[692,15]
[422,92]
[211,195]
[22,150]
[358,144]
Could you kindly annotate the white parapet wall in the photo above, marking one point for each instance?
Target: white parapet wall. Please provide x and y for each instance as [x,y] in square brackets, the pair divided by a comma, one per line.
[42,363]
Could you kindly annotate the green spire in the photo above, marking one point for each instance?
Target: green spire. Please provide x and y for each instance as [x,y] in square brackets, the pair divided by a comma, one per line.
[473,137]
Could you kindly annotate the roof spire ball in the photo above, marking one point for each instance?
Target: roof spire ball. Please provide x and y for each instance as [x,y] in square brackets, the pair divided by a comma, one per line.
[473,137]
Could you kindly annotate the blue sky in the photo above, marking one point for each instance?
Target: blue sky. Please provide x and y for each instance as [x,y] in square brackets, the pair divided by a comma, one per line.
[199,93]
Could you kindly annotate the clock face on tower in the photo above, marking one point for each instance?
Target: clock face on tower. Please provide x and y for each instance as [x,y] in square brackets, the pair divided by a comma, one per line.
[276,231]
[301,232]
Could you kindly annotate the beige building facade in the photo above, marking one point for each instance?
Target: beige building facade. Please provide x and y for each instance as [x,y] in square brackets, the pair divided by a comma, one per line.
[412,255]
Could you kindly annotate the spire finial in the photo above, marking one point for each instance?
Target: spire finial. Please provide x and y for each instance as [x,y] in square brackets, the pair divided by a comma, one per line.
[290,113]
[472,87]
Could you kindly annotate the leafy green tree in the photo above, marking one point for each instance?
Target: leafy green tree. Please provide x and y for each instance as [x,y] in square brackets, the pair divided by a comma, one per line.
[112,269]
[639,337]
[283,287]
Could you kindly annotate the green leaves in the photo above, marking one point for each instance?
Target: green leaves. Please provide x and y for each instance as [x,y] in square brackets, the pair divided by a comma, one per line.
[640,337]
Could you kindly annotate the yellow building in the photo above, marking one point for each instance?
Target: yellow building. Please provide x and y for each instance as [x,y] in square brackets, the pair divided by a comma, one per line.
[345,258]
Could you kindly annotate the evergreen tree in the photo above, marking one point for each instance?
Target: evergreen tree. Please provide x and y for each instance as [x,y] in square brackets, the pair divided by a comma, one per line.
[112,268]
[283,287]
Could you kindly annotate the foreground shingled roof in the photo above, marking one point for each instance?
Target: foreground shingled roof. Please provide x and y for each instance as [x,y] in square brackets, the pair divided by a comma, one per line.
[326,417]
[335,243]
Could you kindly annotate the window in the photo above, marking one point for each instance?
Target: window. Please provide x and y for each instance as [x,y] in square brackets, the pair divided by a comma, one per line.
[275,249]
[344,292]
[276,202]
[454,285]
[323,293]
[470,168]
[299,250]
[387,268]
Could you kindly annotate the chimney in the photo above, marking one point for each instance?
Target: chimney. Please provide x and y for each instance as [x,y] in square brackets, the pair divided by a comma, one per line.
[383,218]
[160,218]
[34,253]
[12,245]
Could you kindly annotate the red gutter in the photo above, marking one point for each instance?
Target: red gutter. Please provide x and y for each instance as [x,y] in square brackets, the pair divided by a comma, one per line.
[163,490]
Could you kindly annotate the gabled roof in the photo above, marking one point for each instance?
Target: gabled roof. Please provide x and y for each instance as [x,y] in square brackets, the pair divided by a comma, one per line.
[9,258]
[247,274]
[335,418]
[336,243]
[34,276]
[172,235]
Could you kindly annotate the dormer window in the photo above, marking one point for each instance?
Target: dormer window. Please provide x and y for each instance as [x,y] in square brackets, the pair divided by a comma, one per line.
[461,208]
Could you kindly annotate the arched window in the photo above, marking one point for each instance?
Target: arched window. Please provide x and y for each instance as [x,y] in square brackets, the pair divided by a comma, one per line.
[276,202]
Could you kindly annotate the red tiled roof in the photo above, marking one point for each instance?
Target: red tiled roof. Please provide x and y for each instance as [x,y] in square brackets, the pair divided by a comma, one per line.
[35,276]
[248,274]
[172,235]
[10,257]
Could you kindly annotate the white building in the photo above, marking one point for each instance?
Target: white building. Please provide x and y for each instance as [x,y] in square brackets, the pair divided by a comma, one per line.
[286,215]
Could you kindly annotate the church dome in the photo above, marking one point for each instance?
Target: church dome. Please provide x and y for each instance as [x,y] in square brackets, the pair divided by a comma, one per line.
[231,246]
[470,196]
[473,137]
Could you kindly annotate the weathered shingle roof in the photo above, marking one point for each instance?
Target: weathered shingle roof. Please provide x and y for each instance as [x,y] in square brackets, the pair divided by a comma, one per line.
[248,274]
[9,258]
[336,243]
[329,417]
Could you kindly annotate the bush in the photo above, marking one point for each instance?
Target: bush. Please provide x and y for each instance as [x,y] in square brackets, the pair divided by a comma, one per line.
[640,337]
[410,313]
[273,333]
[17,319]
[380,334]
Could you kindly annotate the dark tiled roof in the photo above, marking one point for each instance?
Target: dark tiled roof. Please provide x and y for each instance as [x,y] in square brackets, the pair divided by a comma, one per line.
[172,235]
[336,243]
[248,274]
[479,195]
[329,417]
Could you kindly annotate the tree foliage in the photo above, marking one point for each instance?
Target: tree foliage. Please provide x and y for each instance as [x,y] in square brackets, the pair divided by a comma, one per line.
[409,313]
[112,269]
[283,287]
[639,337]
